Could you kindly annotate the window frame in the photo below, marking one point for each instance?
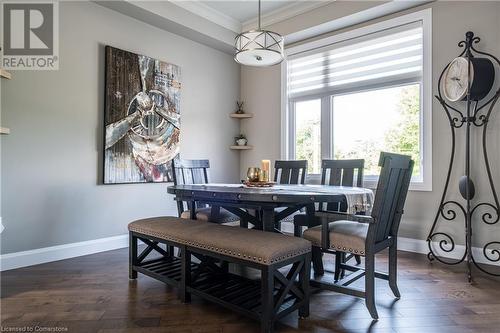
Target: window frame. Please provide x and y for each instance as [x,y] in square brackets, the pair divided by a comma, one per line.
[423,183]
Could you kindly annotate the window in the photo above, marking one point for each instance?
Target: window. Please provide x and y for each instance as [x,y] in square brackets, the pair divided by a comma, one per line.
[308,133]
[359,93]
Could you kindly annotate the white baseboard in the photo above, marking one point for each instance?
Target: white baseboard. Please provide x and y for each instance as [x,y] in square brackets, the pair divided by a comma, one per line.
[60,252]
[66,251]
[420,246]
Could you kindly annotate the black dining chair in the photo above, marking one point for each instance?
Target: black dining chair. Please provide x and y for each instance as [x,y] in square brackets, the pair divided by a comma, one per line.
[366,235]
[335,173]
[290,172]
[186,172]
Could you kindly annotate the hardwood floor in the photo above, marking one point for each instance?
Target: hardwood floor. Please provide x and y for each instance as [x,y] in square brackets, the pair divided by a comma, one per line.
[93,294]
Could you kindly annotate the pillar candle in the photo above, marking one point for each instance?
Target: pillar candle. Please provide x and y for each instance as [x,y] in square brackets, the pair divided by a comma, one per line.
[266,166]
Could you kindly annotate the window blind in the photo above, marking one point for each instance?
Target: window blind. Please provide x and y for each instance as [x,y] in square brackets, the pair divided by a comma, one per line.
[393,55]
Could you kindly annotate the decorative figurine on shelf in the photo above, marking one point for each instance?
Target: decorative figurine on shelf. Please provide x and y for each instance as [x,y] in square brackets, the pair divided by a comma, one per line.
[241,140]
[240,107]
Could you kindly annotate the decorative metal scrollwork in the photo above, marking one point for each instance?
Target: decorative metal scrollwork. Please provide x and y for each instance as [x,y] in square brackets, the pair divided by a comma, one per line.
[443,245]
[487,217]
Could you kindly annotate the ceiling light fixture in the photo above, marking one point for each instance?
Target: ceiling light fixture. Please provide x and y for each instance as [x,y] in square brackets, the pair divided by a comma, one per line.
[259,47]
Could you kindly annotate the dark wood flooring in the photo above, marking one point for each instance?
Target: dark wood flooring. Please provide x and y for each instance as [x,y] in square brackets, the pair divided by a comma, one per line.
[93,294]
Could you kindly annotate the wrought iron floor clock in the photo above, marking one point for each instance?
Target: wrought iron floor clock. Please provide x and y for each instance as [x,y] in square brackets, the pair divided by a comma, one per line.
[464,92]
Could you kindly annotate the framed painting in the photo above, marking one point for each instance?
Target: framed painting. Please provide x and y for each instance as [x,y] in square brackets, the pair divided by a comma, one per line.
[141,118]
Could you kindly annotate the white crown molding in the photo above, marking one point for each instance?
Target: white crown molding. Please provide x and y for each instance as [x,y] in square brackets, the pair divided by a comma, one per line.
[199,8]
[284,13]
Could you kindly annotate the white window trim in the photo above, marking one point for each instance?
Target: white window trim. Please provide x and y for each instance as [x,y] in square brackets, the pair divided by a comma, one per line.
[426,99]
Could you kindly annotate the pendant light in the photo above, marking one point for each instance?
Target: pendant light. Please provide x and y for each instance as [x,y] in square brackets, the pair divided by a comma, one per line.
[259,47]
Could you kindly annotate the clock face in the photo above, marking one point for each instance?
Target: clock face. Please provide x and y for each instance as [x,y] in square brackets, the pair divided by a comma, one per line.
[454,83]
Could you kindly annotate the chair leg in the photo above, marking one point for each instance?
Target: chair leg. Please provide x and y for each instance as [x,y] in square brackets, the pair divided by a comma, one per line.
[393,269]
[343,260]
[338,261]
[317,261]
[370,285]
[297,230]
[358,259]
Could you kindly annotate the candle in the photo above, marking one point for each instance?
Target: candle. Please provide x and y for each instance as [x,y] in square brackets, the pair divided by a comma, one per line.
[266,167]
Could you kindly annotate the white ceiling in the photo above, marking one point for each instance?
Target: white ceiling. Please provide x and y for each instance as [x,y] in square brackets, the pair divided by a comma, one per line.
[245,10]
[236,15]
[215,22]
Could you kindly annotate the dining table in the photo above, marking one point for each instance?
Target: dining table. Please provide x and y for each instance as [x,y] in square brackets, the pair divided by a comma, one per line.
[264,207]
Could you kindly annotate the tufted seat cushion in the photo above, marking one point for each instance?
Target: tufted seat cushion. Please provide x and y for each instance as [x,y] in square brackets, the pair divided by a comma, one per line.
[204,214]
[345,236]
[251,245]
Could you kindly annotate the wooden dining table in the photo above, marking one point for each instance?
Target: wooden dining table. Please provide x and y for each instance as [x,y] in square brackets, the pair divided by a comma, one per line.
[242,200]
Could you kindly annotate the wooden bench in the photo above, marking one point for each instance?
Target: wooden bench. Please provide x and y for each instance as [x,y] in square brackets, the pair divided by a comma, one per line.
[201,268]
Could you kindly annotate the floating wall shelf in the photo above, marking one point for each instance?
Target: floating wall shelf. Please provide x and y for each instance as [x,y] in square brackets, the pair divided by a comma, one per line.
[241,115]
[5,74]
[247,147]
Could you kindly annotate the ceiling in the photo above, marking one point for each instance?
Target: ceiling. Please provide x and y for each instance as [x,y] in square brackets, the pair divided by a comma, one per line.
[216,22]
[246,10]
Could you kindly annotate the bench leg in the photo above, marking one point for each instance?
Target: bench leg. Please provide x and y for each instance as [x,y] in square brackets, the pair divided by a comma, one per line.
[132,255]
[304,277]
[184,295]
[267,288]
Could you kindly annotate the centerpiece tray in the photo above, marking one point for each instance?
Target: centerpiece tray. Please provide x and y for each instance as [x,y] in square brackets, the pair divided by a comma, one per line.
[258,184]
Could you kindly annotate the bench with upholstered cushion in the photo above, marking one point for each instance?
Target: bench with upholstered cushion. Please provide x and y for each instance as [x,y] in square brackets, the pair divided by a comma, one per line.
[205,248]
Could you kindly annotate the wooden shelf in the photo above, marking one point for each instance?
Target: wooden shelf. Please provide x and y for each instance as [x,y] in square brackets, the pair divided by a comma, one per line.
[5,74]
[247,147]
[4,130]
[241,115]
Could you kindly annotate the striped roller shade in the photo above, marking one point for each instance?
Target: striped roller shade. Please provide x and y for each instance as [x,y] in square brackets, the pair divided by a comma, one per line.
[389,56]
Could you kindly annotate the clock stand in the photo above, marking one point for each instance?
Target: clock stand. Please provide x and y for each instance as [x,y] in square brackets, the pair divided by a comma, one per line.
[475,114]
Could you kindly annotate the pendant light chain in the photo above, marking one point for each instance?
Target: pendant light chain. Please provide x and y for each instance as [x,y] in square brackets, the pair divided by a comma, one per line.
[259,15]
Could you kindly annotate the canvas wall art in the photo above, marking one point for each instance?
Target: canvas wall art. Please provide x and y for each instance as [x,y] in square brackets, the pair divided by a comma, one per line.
[142,118]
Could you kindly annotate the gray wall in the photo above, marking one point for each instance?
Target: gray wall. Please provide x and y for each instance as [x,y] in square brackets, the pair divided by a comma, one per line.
[260,89]
[51,159]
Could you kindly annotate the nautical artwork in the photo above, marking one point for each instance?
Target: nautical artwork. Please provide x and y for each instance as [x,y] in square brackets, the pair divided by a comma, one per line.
[142,118]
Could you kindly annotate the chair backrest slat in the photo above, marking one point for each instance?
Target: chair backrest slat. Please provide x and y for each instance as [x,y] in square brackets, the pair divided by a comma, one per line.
[348,177]
[290,172]
[391,193]
[335,177]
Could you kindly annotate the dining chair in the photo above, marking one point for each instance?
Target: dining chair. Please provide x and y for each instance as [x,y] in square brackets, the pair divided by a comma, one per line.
[291,172]
[366,235]
[186,172]
[334,173]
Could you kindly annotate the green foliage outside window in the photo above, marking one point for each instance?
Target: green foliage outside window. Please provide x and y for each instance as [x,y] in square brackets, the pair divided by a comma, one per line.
[402,138]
